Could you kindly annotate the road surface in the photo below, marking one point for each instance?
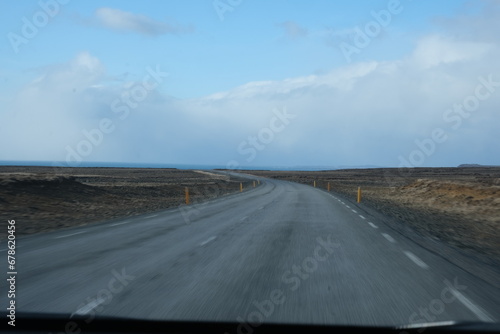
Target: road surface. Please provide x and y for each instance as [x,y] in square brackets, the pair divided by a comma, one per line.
[280,252]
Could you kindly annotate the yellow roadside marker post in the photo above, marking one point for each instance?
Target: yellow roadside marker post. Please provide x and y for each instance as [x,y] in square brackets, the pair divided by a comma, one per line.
[186,190]
[359,194]
[241,187]
[254,184]
[328,186]
[314,183]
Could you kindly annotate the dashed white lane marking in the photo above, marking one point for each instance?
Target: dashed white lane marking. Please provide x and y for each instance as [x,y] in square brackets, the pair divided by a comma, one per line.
[417,261]
[207,241]
[388,237]
[347,206]
[261,208]
[151,216]
[479,312]
[89,307]
[244,218]
[372,225]
[116,224]
[354,211]
[362,217]
[68,235]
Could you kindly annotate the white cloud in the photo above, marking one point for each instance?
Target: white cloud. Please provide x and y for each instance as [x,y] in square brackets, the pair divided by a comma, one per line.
[435,50]
[119,20]
[51,109]
[82,71]
[341,79]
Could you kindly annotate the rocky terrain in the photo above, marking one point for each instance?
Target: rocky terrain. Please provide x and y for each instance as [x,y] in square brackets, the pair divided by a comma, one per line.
[45,198]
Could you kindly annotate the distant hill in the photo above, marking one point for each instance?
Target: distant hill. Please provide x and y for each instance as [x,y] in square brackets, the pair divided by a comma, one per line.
[476,165]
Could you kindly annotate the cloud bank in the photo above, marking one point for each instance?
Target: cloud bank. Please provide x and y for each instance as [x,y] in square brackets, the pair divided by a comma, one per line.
[376,113]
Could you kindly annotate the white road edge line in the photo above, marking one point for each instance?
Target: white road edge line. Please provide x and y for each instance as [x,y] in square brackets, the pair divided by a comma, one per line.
[360,216]
[68,235]
[89,307]
[430,324]
[372,225]
[479,312]
[388,237]
[151,216]
[125,222]
[417,261]
[207,241]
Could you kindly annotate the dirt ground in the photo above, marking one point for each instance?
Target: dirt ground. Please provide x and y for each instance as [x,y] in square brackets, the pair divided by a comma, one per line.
[45,198]
[457,206]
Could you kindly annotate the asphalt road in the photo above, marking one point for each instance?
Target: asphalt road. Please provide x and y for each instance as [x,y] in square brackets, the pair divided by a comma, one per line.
[280,252]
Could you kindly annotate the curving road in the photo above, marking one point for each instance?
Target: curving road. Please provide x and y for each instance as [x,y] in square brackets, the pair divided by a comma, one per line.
[280,252]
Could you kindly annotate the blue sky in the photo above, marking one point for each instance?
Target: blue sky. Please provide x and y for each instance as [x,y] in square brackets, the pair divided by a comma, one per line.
[236,67]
